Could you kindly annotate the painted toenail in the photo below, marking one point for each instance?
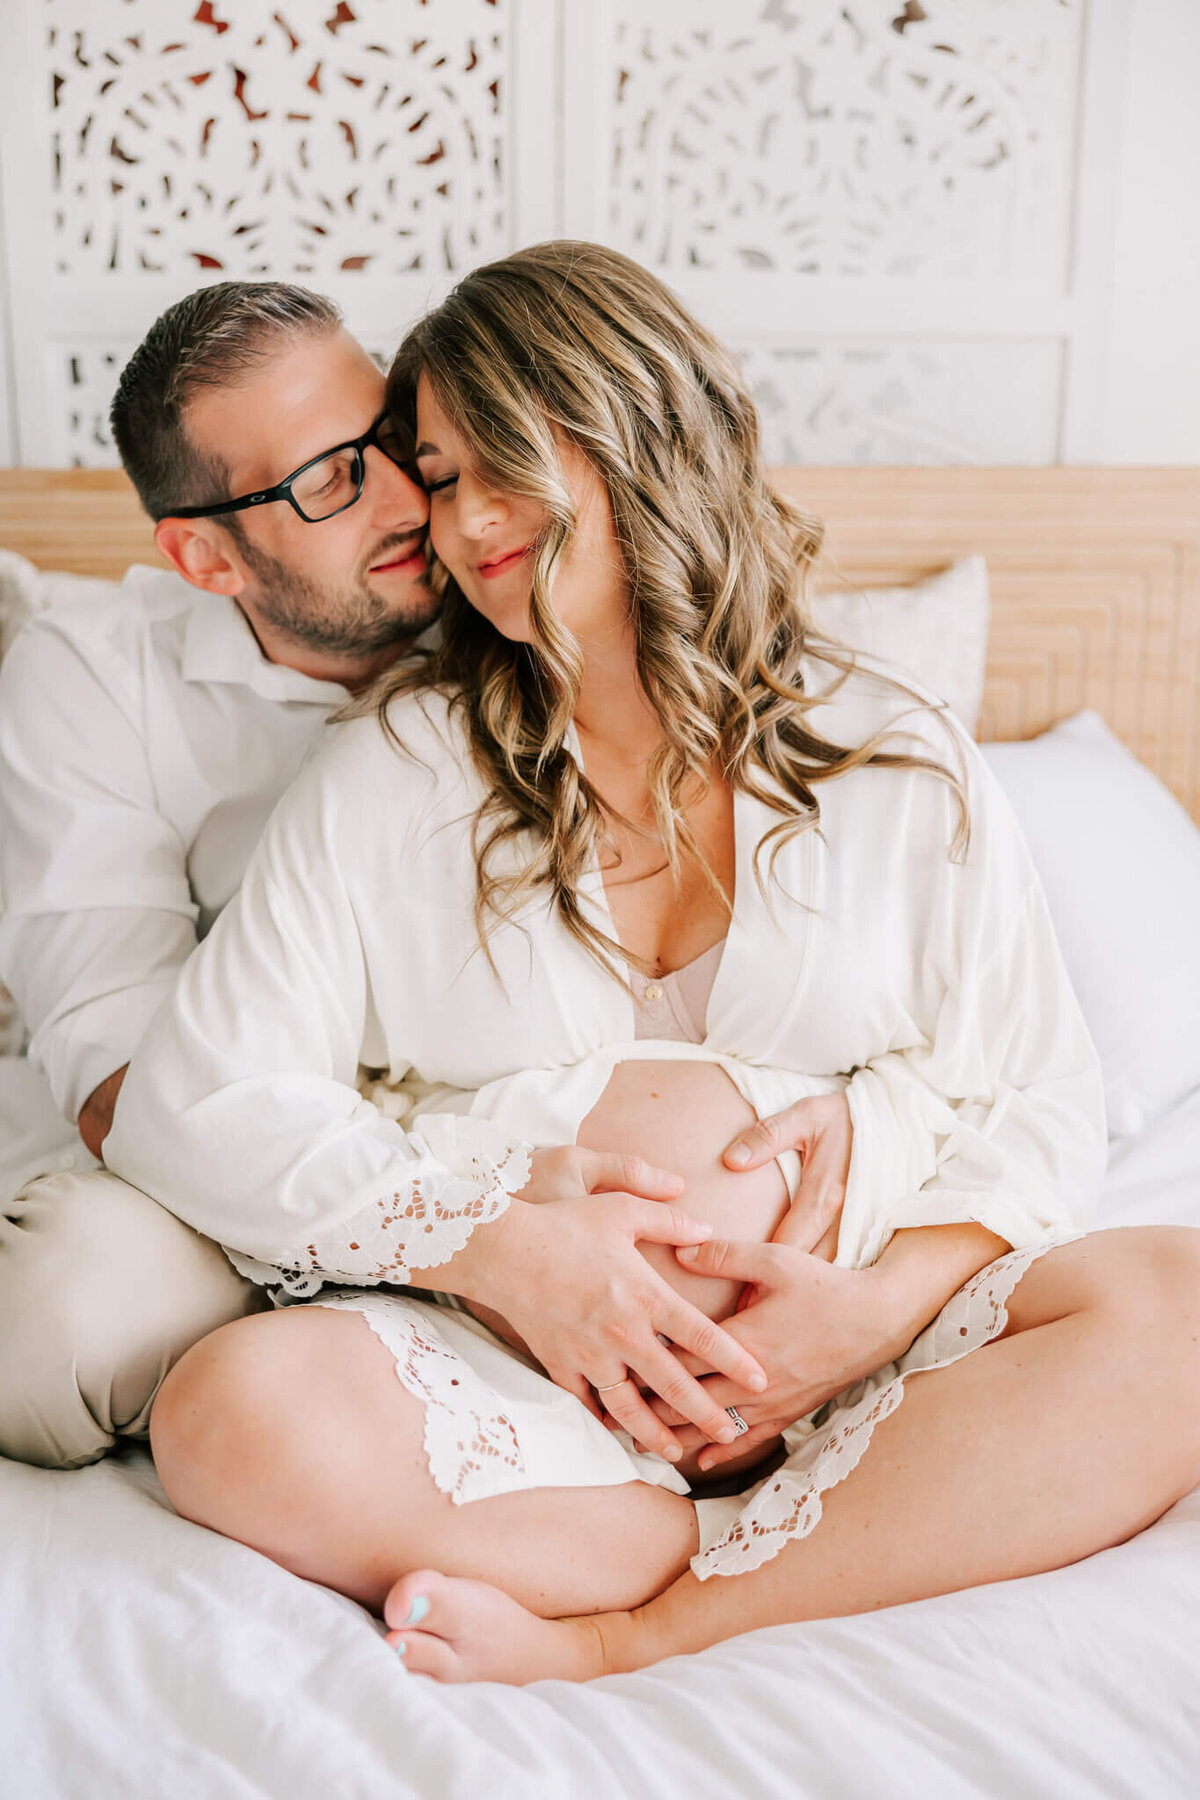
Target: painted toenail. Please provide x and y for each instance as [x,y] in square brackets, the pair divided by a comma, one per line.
[417,1611]
[401,1648]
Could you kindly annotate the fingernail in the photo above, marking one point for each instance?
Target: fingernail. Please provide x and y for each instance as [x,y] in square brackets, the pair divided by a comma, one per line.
[401,1648]
[757,1383]
[688,1253]
[417,1611]
[672,1453]
[727,1436]
[738,1154]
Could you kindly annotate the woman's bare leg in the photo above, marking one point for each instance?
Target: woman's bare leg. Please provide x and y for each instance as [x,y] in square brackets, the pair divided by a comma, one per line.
[1069,1434]
[291,1432]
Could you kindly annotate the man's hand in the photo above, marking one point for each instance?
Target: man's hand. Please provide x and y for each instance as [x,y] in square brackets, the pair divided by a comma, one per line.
[567,1275]
[821,1130]
[95,1121]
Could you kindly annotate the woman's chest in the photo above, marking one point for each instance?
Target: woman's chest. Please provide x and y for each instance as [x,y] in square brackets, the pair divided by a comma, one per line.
[668,904]
[822,968]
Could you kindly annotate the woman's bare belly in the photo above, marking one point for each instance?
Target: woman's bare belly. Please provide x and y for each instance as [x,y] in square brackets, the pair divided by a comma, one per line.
[680,1116]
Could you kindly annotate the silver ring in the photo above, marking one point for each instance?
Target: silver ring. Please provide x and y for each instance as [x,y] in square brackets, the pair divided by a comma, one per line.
[613,1384]
[739,1424]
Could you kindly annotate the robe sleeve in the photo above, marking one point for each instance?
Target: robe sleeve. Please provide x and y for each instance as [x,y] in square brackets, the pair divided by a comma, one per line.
[240,1111]
[997,1114]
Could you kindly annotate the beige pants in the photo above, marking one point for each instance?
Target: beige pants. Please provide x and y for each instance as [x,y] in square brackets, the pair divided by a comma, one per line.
[101,1290]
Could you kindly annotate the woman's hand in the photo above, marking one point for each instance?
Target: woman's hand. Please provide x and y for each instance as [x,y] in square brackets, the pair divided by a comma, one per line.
[566,1273]
[821,1130]
[568,1173]
[814,1327]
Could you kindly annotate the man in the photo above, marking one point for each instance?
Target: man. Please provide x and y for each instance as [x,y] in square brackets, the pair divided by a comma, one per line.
[142,745]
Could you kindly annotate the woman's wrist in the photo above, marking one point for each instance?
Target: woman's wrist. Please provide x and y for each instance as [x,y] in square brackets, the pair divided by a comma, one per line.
[921,1268]
[477,1271]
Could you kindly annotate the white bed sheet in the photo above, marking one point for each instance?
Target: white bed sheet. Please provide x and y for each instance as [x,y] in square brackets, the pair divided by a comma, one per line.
[142,1656]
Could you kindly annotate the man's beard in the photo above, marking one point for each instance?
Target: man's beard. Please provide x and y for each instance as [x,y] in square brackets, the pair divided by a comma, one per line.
[353,622]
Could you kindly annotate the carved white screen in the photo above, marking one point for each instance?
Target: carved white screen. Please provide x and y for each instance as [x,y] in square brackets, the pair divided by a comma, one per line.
[881,204]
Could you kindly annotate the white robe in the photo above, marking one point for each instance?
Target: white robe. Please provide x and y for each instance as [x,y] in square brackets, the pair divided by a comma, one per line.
[932,990]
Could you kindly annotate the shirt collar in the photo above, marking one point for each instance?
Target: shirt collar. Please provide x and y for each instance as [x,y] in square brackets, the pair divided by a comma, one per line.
[220,646]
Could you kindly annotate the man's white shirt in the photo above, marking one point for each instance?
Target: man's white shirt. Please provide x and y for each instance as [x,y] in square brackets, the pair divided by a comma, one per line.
[144,742]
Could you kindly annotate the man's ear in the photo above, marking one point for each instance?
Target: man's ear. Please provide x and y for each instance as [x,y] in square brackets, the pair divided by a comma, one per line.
[197,550]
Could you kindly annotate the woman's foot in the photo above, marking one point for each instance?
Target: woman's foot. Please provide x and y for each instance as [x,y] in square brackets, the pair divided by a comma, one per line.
[468,1631]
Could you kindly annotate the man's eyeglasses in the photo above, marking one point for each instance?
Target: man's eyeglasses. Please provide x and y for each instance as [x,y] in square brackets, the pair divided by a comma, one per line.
[325,485]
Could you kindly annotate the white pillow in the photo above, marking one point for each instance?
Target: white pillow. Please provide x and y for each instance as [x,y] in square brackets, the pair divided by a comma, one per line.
[25,590]
[935,630]
[1120,862]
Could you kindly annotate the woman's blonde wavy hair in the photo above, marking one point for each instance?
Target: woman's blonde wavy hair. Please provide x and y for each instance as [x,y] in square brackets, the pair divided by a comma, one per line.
[572,339]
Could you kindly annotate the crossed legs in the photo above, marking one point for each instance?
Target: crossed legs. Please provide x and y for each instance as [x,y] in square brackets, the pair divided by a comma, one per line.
[1071,1432]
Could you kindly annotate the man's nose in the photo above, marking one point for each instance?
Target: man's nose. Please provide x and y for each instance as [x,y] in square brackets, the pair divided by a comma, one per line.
[391,489]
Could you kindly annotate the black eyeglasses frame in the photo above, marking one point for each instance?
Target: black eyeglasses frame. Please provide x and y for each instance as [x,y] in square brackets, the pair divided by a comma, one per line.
[283,489]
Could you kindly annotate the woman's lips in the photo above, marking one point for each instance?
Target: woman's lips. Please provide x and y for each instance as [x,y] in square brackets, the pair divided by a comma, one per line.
[502,564]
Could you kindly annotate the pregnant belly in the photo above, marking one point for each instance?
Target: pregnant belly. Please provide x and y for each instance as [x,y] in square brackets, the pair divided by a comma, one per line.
[680,1116]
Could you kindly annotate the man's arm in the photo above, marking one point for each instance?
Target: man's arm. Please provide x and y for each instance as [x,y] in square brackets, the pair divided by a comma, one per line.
[95,1121]
[98,914]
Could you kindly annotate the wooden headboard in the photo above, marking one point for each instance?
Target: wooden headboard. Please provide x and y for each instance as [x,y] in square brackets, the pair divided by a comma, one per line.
[1095,577]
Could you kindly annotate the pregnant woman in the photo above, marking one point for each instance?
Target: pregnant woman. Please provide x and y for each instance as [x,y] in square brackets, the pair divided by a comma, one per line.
[628,861]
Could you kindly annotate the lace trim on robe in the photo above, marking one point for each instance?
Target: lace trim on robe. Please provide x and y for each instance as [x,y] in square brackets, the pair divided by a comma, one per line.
[467,1173]
[788,1503]
[467,1442]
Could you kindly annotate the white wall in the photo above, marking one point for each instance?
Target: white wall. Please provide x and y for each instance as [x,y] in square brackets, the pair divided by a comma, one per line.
[1152,388]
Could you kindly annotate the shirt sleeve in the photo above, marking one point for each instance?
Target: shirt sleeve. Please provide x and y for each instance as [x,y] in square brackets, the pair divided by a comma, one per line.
[240,1111]
[98,914]
[997,1115]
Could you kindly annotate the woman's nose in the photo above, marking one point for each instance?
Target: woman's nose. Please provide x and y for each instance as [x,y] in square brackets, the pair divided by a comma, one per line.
[479,507]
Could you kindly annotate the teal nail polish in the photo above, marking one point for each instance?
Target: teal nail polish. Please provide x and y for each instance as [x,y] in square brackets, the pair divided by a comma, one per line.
[417,1611]
[401,1648]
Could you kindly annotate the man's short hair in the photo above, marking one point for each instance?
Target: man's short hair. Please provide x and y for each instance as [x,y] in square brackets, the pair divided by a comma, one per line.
[212,338]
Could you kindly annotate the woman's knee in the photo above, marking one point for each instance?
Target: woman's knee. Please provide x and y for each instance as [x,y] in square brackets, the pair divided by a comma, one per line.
[1139,1288]
[233,1414]
[1126,1273]
[1148,1273]
[218,1397]
[1167,1297]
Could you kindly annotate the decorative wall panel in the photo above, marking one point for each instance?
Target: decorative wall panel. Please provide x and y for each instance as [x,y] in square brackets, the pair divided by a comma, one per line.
[868,139]
[83,377]
[83,382]
[882,204]
[947,402]
[275,139]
